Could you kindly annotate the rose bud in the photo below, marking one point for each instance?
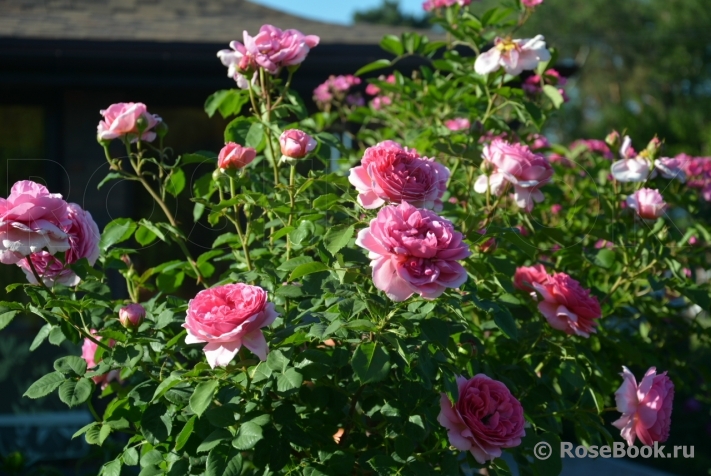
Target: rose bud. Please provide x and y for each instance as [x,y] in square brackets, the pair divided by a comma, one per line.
[295,144]
[234,156]
[648,203]
[132,316]
[613,139]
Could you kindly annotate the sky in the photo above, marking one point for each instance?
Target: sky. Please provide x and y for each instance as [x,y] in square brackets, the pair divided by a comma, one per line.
[334,11]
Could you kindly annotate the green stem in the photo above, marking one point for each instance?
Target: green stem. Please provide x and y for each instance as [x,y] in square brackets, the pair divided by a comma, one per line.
[242,238]
[292,204]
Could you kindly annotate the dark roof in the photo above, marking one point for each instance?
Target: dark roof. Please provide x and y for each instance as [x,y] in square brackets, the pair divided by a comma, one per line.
[184,21]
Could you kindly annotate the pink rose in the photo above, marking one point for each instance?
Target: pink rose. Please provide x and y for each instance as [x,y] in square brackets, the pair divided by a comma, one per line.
[538,142]
[516,164]
[296,144]
[556,208]
[413,251]
[390,172]
[631,167]
[646,408]
[525,276]
[88,351]
[235,156]
[238,63]
[125,119]
[273,48]
[648,203]
[32,219]
[83,236]
[227,317]
[322,93]
[567,306]
[132,315]
[670,168]
[381,101]
[458,124]
[513,55]
[531,3]
[485,419]
[372,90]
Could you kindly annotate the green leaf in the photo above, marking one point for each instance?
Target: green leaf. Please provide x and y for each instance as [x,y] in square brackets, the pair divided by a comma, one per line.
[155,424]
[171,381]
[289,380]
[112,468]
[553,464]
[69,364]
[277,361]
[307,268]
[104,433]
[117,231]
[41,336]
[255,138]
[6,318]
[185,433]
[176,182]
[223,461]
[45,385]
[293,263]
[74,393]
[324,202]
[392,44]
[554,95]
[247,436]
[505,321]
[338,237]
[371,362]
[130,457]
[605,258]
[84,429]
[144,236]
[378,64]
[201,399]
[213,439]
[236,131]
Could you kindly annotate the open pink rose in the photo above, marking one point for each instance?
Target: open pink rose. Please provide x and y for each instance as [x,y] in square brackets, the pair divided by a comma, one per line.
[517,165]
[296,144]
[631,167]
[646,408]
[457,124]
[84,237]
[413,251]
[271,49]
[88,351]
[648,203]
[32,219]
[670,168]
[567,306]
[238,63]
[228,317]
[513,55]
[235,156]
[124,120]
[525,276]
[392,173]
[485,418]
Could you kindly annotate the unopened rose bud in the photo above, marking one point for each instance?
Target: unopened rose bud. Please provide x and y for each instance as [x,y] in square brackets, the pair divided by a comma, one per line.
[126,259]
[653,147]
[132,316]
[613,139]
[141,124]
[161,129]
[295,144]
[234,156]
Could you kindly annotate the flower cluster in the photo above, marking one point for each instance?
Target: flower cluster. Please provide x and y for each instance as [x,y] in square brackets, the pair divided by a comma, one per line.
[533,85]
[698,172]
[380,100]
[430,5]
[337,87]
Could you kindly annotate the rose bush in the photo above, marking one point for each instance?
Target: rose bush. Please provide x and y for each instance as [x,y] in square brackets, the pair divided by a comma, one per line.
[398,307]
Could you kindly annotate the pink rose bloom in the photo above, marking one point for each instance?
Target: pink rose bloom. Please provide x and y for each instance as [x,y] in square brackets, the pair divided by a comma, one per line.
[556,208]
[532,84]
[648,203]
[273,48]
[538,141]
[322,93]
[413,251]
[531,3]
[390,172]
[485,418]
[235,156]
[632,167]
[83,235]
[122,120]
[593,145]
[515,164]
[670,168]
[238,63]
[380,102]
[32,219]
[228,317]
[646,408]
[513,55]
[457,124]
[567,306]
[132,315]
[88,351]
[372,90]
[296,144]
[526,276]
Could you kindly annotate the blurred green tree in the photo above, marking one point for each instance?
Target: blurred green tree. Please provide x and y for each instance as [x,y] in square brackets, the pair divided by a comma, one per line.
[389,13]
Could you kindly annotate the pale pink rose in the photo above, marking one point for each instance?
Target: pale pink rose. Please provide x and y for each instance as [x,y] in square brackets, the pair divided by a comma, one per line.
[125,119]
[372,90]
[485,419]
[648,203]
[457,124]
[567,306]
[238,63]
[631,167]
[515,164]
[296,144]
[526,276]
[88,351]
[322,93]
[392,173]
[670,168]
[538,142]
[413,251]
[531,3]
[513,55]
[273,48]
[235,156]
[228,317]
[32,219]
[646,408]
[132,315]
[84,237]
